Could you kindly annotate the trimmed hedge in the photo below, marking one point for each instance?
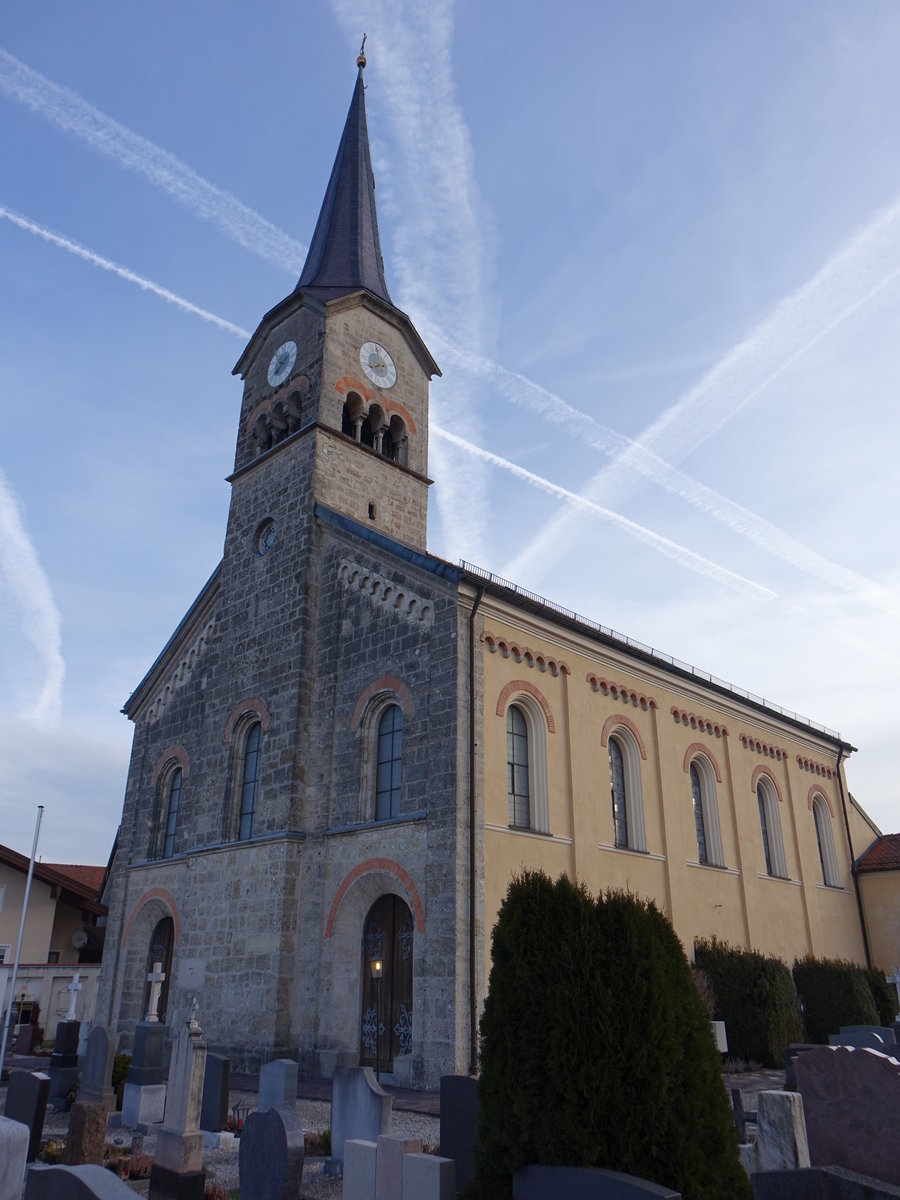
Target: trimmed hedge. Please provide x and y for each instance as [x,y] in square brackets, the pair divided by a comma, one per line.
[596,1048]
[884,994]
[755,997]
[834,992]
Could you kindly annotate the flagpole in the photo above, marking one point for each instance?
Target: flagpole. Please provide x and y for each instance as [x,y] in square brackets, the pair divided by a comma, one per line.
[15,970]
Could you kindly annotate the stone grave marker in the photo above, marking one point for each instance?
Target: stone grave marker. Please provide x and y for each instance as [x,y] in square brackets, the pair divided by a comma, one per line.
[459,1124]
[389,1152]
[26,1101]
[360,1109]
[851,1099]
[875,1037]
[359,1169]
[144,1100]
[64,1060]
[277,1084]
[585,1183]
[14,1139]
[88,1182]
[86,1139]
[96,1080]
[216,1084]
[178,1167]
[428,1177]
[270,1158]
[780,1135]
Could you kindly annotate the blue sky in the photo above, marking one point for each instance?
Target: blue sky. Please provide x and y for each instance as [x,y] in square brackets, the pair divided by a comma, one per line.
[655,248]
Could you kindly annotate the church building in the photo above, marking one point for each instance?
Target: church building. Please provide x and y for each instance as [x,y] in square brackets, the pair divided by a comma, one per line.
[348,745]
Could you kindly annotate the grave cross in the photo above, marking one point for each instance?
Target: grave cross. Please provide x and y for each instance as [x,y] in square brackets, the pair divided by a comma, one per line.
[73,989]
[155,979]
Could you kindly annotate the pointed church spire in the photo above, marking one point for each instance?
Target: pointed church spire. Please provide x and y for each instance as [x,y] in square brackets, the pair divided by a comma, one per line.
[345,251]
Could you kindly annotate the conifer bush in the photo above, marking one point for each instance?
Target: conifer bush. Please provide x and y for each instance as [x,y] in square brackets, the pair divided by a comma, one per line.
[833,992]
[755,997]
[596,1048]
[884,995]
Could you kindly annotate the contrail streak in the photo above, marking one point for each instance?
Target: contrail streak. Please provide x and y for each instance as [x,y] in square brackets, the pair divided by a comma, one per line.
[680,554]
[148,285]
[30,590]
[72,113]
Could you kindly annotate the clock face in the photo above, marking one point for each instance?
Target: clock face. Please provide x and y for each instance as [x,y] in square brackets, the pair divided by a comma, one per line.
[378,364]
[282,363]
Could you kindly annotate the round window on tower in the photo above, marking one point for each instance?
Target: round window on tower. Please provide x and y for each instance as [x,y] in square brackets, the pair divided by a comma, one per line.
[265,537]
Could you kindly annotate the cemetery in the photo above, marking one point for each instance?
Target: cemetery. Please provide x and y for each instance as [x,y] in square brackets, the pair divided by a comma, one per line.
[183,1125]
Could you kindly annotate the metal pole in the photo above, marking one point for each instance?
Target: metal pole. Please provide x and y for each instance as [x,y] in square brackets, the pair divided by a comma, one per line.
[15,970]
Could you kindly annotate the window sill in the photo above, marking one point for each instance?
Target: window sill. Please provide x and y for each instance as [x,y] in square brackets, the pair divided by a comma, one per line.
[517,831]
[779,878]
[631,850]
[389,822]
[708,866]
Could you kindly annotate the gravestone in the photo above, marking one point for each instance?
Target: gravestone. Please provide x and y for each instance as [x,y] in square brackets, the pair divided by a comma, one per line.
[216,1083]
[459,1124]
[26,1101]
[277,1084]
[428,1177]
[178,1166]
[86,1139]
[144,1099]
[790,1078]
[873,1037]
[270,1159]
[389,1163]
[359,1169]
[360,1109]
[13,1156]
[75,1183]
[585,1183]
[96,1081]
[851,1099]
[820,1183]
[780,1134]
[63,1070]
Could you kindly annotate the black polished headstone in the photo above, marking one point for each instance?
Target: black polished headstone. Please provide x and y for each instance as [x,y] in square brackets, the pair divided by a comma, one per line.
[586,1183]
[270,1159]
[459,1124]
[64,1065]
[216,1082]
[149,1054]
[96,1083]
[26,1101]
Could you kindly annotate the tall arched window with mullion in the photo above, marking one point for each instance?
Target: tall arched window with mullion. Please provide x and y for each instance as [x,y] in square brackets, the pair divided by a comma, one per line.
[389,763]
[172,814]
[825,843]
[619,796]
[249,781]
[699,824]
[517,768]
[764,827]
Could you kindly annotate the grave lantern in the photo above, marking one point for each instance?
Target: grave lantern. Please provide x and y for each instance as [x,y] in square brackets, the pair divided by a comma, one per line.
[376,968]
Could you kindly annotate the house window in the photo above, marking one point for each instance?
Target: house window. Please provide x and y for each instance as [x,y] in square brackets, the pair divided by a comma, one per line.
[52,956]
[706,813]
[249,779]
[770,826]
[617,787]
[625,791]
[4,953]
[168,848]
[517,768]
[825,842]
[389,763]
[2,895]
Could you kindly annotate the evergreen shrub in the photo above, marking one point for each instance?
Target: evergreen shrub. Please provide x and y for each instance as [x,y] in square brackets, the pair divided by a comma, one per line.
[755,997]
[884,994]
[833,992]
[596,1048]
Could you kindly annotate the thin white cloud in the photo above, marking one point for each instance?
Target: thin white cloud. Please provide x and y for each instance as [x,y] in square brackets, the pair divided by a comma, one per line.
[148,285]
[665,546]
[862,268]
[649,465]
[73,114]
[30,595]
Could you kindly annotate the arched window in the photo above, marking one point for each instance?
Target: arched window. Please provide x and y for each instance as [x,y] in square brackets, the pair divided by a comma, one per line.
[249,780]
[706,813]
[517,768]
[389,763]
[770,826]
[825,842]
[174,798]
[625,790]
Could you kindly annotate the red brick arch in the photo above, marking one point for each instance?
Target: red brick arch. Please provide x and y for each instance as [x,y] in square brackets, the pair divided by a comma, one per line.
[369,867]
[817,791]
[616,721]
[167,901]
[524,685]
[695,749]
[251,704]
[174,752]
[384,683]
[760,771]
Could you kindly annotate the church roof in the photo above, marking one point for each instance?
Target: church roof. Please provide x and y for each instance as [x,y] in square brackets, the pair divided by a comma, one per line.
[882,855]
[345,251]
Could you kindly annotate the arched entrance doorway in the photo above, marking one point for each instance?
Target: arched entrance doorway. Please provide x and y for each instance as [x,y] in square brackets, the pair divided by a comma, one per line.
[387,1002]
[159,951]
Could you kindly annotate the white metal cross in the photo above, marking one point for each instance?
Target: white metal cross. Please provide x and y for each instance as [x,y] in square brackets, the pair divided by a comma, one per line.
[155,979]
[73,989]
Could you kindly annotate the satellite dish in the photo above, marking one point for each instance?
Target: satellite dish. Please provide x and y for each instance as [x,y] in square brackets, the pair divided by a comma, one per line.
[79,939]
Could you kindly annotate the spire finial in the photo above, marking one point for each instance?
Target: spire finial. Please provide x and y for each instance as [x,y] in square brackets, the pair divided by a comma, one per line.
[361,57]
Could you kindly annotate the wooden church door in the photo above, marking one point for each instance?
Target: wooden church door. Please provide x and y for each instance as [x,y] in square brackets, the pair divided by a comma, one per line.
[386,1024]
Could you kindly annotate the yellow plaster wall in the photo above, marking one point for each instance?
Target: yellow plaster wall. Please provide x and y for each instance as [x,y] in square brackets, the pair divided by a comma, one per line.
[880,891]
[39,921]
[674,719]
